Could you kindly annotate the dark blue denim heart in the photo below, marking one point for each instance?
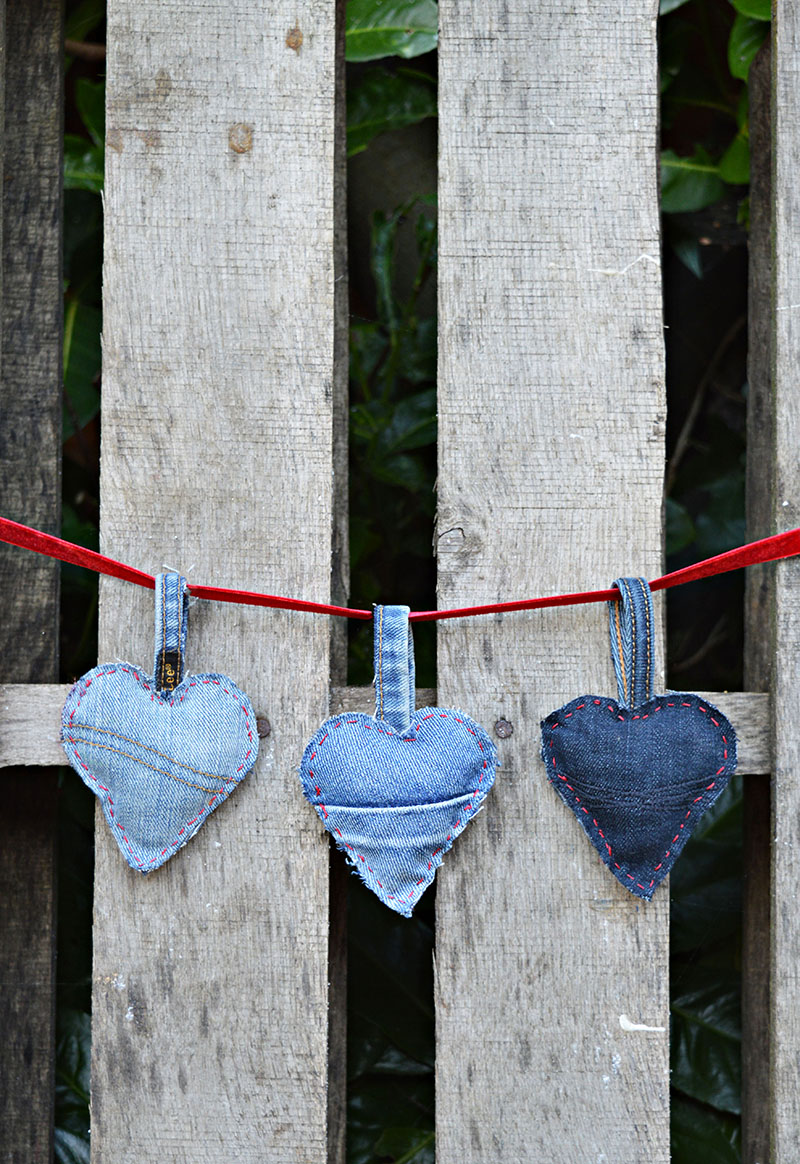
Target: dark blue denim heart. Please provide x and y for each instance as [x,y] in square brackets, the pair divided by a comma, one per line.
[640,771]
[639,779]
[395,789]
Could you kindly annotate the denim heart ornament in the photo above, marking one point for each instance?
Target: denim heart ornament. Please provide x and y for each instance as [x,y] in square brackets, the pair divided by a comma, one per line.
[638,772]
[160,752]
[395,789]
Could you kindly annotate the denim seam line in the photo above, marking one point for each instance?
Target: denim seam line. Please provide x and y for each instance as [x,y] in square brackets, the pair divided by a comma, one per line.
[152,767]
[89,727]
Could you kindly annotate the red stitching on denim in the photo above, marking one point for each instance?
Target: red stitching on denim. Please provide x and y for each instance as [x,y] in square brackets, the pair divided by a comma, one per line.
[139,678]
[696,800]
[390,732]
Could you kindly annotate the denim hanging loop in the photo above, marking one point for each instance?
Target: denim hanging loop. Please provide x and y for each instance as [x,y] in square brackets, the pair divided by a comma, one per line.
[159,751]
[394,667]
[631,626]
[640,771]
[172,606]
[396,788]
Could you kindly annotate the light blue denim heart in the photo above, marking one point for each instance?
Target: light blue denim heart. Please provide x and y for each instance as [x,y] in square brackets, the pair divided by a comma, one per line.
[162,752]
[396,789]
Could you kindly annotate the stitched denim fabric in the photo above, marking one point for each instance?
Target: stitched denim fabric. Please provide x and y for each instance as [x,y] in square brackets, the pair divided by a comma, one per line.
[161,752]
[640,771]
[395,789]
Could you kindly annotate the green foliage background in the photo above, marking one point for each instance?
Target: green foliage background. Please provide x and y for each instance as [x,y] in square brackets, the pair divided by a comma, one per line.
[706,48]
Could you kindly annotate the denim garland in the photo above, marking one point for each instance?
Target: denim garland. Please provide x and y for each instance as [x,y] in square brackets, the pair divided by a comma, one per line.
[160,752]
[638,772]
[395,789]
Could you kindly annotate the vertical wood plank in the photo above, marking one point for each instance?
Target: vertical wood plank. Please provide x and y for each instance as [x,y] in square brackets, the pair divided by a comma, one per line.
[551,405]
[785,978]
[31,55]
[210,1022]
[758,645]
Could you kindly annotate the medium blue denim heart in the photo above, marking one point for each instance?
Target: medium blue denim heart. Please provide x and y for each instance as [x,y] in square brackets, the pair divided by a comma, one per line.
[161,752]
[638,773]
[395,789]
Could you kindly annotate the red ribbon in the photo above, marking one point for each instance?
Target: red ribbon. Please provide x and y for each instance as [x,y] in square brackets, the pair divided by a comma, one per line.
[772,549]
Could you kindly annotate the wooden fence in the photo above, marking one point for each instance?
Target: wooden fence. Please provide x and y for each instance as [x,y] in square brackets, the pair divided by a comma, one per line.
[218,984]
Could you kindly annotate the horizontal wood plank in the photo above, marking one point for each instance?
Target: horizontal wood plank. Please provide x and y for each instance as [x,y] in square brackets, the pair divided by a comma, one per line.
[30,721]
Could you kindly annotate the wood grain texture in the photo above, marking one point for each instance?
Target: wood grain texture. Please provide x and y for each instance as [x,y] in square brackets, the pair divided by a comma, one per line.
[551,457]
[210,1002]
[758,622]
[30,477]
[785,978]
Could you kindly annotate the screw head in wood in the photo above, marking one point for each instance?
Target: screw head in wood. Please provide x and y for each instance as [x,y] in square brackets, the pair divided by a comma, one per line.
[503,728]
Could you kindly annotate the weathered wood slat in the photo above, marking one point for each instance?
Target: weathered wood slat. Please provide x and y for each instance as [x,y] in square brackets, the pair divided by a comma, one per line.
[30,721]
[30,491]
[551,454]
[785,928]
[758,615]
[210,1015]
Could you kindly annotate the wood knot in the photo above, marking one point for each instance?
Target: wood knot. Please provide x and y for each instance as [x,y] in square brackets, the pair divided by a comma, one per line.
[294,39]
[240,138]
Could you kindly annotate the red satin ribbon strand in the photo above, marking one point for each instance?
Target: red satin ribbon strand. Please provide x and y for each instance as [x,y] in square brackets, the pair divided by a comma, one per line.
[772,549]
[42,543]
[249,598]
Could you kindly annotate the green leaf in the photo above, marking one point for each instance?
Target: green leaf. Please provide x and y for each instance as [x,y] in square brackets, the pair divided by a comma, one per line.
[689,183]
[706,1036]
[69,1148]
[413,424]
[747,37]
[90,98]
[758,9]
[698,1133]
[407,1146]
[706,884]
[721,524]
[83,164]
[82,362]
[405,28]
[84,19]
[382,101]
[734,166]
[679,527]
[73,1057]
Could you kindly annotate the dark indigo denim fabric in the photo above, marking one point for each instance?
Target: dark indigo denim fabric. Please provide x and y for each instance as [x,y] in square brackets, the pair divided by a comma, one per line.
[395,789]
[160,752]
[638,773]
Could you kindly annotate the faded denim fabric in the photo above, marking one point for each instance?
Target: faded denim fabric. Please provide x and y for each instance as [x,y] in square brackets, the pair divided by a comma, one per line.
[640,771]
[395,789]
[161,752]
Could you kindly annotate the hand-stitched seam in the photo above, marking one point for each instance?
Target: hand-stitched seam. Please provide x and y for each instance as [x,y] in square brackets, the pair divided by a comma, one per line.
[162,771]
[146,747]
[415,894]
[698,799]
